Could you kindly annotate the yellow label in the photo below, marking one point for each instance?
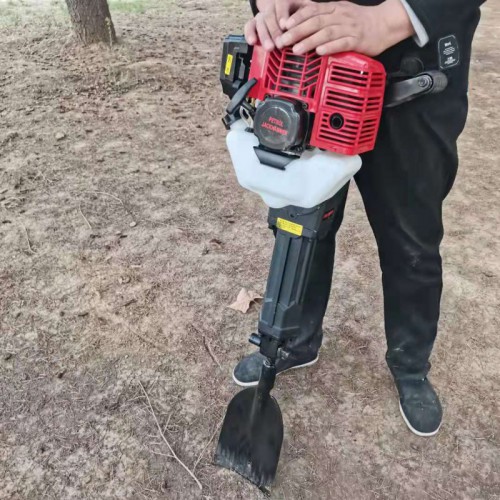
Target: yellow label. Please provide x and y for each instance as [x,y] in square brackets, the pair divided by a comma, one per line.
[289,227]
[229,64]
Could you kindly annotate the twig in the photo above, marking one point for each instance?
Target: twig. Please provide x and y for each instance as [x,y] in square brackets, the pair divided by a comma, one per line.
[108,194]
[84,218]
[27,238]
[165,439]
[114,198]
[210,351]
[163,454]
[207,445]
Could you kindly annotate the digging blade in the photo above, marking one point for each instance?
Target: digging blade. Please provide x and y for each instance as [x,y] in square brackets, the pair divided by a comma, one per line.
[251,437]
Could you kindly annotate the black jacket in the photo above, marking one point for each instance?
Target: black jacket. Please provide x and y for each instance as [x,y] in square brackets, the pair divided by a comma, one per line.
[441,19]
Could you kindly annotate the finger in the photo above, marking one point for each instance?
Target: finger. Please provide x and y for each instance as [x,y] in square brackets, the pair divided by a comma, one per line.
[340,45]
[251,32]
[308,12]
[272,26]
[263,33]
[322,37]
[304,30]
[282,12]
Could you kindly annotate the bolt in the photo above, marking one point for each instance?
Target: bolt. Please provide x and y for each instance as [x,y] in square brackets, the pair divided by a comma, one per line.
[283,354]
[422,82]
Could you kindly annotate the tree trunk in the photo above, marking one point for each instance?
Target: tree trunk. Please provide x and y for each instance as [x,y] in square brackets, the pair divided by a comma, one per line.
[92,21]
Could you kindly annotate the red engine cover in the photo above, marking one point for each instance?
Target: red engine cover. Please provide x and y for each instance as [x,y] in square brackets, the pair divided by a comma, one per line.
[345,92]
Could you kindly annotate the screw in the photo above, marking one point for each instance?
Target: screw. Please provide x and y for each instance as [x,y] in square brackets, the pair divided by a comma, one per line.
[422,82]
[283,354]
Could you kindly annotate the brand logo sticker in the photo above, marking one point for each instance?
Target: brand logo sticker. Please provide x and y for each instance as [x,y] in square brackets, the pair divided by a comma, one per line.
[448,52]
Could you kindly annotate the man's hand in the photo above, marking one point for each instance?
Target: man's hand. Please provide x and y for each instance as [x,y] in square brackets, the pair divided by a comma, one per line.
[341,26]
[268,25]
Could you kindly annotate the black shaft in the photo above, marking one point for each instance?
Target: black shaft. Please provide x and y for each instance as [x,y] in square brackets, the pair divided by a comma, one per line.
[262,394]
[297,231]
[281,310]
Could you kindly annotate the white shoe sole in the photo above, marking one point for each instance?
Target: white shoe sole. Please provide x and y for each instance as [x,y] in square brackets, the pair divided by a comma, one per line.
[253,384]
[418,433]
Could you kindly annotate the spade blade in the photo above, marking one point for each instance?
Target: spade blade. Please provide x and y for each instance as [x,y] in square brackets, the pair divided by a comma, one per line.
[251,437]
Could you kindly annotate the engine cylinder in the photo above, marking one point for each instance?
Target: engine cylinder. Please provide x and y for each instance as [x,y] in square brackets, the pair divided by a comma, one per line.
[281,124]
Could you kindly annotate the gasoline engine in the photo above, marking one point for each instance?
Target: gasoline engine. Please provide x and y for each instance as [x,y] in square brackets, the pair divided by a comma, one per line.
[293,102]
[296,127]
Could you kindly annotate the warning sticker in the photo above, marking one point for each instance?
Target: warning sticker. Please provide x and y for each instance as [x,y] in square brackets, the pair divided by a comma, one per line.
[449,52]
[229,64]
[289,227]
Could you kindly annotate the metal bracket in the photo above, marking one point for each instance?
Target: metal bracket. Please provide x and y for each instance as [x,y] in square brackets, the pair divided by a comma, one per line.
[236,102]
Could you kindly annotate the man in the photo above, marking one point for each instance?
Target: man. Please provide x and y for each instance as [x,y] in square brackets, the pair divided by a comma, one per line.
[403,181]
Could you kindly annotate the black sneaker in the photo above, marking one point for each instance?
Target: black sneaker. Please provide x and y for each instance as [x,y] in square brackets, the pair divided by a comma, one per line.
[247,371]
[420,406]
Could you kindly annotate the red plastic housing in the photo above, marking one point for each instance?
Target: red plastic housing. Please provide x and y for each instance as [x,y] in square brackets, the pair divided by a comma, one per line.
[348,87]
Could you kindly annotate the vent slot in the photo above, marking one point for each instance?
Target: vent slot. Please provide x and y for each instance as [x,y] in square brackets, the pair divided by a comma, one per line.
[293,75]
[347,76]
[344,101]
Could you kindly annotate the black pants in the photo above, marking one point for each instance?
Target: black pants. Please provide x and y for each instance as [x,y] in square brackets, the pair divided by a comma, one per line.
[403,183]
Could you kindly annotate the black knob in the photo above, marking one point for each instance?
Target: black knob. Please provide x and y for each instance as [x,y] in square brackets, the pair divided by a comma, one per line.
[255,339]
[336,121]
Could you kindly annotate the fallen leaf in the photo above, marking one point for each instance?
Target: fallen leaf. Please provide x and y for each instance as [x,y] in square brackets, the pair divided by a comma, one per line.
[215,243]
[244,300]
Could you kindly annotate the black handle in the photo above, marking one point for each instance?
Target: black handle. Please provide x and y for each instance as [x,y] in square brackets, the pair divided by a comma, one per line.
[429,82]
[240,96]
[232,110]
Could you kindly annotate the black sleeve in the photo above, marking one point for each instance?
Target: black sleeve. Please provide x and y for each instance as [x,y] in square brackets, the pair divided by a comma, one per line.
[253,6]
[438,15]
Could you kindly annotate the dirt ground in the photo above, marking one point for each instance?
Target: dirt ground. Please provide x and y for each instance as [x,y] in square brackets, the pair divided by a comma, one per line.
[123,238]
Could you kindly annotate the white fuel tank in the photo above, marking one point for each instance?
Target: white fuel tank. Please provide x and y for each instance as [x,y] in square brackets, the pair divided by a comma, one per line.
[308,181]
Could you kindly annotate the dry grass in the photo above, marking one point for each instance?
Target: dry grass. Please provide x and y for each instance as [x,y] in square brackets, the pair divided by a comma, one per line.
[108,280]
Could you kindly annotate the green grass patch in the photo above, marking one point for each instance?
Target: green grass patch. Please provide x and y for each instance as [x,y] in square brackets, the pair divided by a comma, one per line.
[21,12]
[55,12]
[133,6]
